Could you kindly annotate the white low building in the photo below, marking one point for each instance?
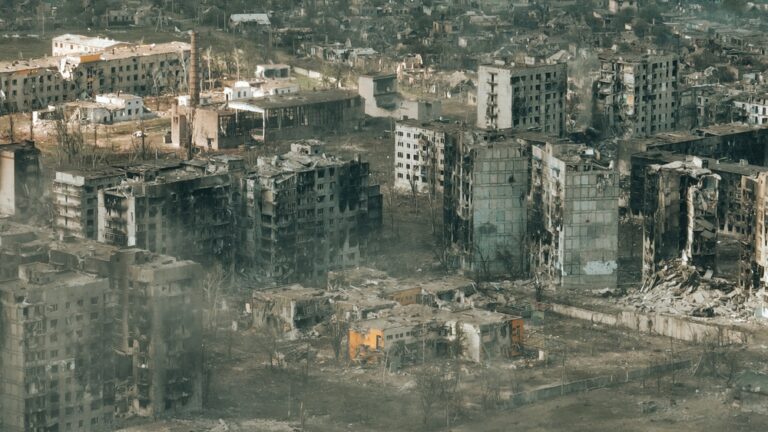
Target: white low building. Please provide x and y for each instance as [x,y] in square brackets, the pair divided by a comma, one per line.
[248,90]
[420,155]
[108,109]
[755,109]
[78,44]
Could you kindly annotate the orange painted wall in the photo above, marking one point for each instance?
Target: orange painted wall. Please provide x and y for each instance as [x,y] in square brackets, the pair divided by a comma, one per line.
[516,327]
[356,339]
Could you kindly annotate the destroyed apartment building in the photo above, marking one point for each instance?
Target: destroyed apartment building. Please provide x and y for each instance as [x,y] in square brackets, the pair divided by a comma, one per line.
[181,212]
[680,215]
[306,212]
[90,333]
[522,97]
[528,203]
[136,69]
[637,95]
[573,219]
[420,155]
[485,205]
[21,186]
[75,199]
[725,142]
[735,215]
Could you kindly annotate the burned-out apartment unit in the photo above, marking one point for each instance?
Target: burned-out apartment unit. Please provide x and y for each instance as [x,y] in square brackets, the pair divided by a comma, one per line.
[636,95]
[726,143]
[680,215]
[735,216]
[306,212]
[137,69]
[21,186]
[522,97]
[485,205]
[573,218]
[90,332]
[420,154]
[75,199]
[182,212]
[158,349]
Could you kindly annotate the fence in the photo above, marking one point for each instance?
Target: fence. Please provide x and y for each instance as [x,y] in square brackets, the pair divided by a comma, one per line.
[586,385]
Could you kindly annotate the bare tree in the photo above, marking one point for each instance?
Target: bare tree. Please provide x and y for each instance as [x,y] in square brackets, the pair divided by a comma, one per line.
[481,265]
[70,142]
[338,332]
[491,387]
[237,57]
[439,384]
[413,185]
[214,285]
[428,387]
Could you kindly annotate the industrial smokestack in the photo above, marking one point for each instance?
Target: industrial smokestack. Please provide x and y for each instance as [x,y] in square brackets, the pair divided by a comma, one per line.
[194,86]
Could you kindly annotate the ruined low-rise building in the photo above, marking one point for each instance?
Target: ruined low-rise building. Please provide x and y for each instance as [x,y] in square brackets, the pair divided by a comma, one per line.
[413,333]
[382,99]
[573,218]
[290,309]
[284,115]
[20,179]
[306,213]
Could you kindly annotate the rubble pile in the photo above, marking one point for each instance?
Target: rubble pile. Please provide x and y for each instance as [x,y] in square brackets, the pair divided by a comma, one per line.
[680,288]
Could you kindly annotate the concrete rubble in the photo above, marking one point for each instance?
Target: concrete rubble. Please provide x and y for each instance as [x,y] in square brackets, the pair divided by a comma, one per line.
[680,288]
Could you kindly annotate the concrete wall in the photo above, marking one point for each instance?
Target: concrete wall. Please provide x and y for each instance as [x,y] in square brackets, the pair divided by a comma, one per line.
[660,324]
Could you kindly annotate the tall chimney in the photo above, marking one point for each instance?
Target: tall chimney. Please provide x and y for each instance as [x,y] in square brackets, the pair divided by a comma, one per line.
[194,86]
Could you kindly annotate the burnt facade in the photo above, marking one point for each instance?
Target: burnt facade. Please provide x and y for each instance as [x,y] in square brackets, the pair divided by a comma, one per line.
[180,213]
[485,206]
[306,213]
[681,217]
[20,179]
[90,332]
[573,216]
